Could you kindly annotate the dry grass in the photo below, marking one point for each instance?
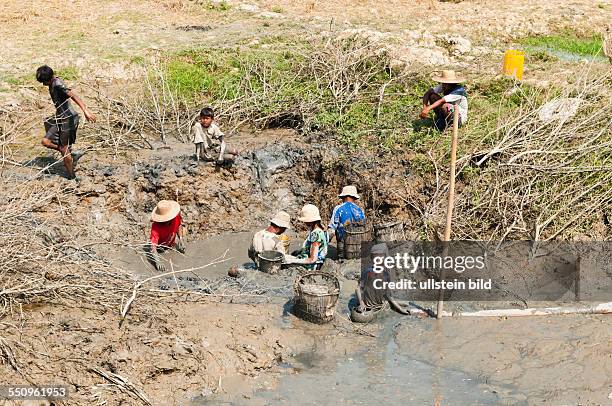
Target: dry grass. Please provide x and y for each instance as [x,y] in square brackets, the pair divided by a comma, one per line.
[540,180]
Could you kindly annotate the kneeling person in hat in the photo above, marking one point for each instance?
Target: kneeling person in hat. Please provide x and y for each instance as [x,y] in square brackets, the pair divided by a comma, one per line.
[443,98]
[269,238]
[369,294]
[165,231]
[344,215]
[314,250]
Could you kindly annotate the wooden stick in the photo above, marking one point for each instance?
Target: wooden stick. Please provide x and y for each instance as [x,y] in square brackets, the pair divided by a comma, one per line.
[451,204]
[602,308]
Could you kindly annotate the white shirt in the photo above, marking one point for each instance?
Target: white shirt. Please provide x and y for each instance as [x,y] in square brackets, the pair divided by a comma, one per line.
[206,135]
[459,98]
[265,240]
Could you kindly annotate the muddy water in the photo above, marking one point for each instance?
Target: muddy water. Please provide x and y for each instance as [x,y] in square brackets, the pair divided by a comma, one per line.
[543,360]
[226,249]
[229,248]
[375,372]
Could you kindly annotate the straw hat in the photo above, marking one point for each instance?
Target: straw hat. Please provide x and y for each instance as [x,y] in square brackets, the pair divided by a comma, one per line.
[281,219]
[349,191]
[309,213]
[165,210]
[448,76]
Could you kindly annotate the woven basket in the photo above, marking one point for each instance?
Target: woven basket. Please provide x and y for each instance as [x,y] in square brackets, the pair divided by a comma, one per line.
[316,296]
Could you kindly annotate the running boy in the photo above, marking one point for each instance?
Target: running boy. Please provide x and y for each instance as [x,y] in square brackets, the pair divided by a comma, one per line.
[207,136]
[61,128]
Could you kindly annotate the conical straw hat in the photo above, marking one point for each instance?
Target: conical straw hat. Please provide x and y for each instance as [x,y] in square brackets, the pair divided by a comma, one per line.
[448,76]
[165,210]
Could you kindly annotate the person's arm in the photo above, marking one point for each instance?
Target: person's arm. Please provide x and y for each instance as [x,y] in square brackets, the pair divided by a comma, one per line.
[314,253]
[334,222]
[360,286]
[311,259]
[218,134]
[157,259]
[154,255]
[361,305]
[279,246]
[180,243]
[89,116]
[427,109]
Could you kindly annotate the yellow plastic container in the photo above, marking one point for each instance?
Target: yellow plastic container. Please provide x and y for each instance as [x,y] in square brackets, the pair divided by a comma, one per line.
[513,63]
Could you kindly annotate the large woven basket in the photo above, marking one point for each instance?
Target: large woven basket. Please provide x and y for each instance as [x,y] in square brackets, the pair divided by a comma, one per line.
[316,296]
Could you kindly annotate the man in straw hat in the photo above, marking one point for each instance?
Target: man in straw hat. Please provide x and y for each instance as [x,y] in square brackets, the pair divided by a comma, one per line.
[165,231]
[344,215]
[443,98]
[270,238]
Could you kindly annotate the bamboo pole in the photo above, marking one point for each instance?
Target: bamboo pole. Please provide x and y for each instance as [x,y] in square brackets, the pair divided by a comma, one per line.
[450,206]
[601,308]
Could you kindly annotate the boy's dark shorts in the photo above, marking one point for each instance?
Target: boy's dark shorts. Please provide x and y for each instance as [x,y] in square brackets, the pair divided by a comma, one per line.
[62,131]
[442,122]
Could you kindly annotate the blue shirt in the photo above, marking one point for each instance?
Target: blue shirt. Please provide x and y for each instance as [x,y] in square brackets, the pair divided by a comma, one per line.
[343,215]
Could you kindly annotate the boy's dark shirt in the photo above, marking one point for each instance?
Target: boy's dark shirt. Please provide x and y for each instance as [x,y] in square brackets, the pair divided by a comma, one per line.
[59,94]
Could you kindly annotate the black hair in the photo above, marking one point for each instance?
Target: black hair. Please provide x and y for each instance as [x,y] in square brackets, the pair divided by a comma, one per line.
[44,74]
[318,222]
[451,87]
[207,112]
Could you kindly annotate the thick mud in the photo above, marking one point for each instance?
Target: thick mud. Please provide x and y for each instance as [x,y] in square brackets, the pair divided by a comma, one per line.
[402,359]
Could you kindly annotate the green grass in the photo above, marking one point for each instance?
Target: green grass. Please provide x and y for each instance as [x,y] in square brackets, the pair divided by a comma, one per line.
[568,43]
[68,73]
[277,81]
[16,80]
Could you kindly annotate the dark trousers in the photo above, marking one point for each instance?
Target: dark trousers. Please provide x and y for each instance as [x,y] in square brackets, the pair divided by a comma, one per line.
[444,116]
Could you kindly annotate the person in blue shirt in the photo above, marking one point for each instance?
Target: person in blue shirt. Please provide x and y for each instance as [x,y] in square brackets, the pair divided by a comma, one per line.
[345,214]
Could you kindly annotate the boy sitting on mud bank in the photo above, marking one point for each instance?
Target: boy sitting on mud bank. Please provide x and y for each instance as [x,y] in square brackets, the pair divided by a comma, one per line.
[208,137]
[165,231]
[61,128]
[443,98]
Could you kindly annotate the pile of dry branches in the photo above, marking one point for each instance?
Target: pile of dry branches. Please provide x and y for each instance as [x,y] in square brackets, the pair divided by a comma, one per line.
[44,256]
[543,179]
[268,91]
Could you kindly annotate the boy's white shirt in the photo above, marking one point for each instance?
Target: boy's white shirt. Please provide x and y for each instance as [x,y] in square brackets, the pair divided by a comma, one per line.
[265,240]
[206,135]
[452,98]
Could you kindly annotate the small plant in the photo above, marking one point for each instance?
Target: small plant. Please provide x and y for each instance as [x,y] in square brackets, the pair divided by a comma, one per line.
[218,6]
[137,60]
[542,56]
[277,9]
